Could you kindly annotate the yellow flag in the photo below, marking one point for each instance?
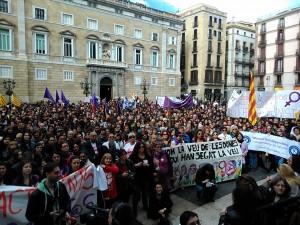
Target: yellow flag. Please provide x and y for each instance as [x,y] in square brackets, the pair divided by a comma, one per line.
[297,114]
[2,101]
[132,94]
[16,101]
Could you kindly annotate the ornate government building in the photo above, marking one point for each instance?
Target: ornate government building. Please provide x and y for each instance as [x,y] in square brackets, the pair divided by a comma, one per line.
[116,44]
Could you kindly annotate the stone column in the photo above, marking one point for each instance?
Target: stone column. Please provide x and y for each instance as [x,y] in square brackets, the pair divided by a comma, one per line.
[21,28]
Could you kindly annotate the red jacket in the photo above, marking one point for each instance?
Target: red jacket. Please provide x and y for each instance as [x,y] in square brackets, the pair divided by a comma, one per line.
[110,173]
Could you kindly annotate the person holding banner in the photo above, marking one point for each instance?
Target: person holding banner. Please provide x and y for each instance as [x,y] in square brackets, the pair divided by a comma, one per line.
[50,203]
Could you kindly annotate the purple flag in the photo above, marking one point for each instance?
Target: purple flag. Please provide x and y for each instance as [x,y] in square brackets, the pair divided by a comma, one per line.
[49,96]
[64,99]
[106,106]
[186,103]
[57,97]
[94,103]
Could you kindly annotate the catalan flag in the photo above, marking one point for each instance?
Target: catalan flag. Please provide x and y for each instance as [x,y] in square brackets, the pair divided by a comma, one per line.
[16,101]
[252,102]
[2,101]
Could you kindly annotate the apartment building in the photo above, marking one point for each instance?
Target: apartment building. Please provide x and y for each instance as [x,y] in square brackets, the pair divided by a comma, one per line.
[240,43]
[277,60]
[203,51]
[116,44]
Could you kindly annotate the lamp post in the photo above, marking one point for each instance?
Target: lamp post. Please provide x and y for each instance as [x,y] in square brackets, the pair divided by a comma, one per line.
[9,85]
[86,86]
[144,87]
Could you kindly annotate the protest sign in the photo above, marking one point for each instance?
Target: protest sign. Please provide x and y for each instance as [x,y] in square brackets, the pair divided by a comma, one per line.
[225,156]
[81,186]
[272,144]
[280,104]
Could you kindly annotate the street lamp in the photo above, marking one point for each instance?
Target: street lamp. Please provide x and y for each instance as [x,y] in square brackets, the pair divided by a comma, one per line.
[144,87]
[9,85]
[86,86]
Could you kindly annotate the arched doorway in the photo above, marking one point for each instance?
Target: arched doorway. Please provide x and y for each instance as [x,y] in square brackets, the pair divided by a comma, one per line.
[106,88]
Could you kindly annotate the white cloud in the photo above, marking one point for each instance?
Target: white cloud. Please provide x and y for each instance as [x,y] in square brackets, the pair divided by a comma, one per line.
[240,9]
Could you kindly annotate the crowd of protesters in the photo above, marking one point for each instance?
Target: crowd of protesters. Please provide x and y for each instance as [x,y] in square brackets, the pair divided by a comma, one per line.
[127,144]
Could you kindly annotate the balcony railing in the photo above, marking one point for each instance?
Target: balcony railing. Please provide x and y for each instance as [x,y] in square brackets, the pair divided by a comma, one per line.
[220,27]
[195,24]
[278,83]
[239,74]
[238,48]
[261,58]
[281,25]
[279,40]
[245,49]
[101,62]
[213,82]
[238,60]
[259,73]
[262,31]
[209,50]
[278,71]
[210,36]
[278,55]
[210,25]
[262,43]
[194,82]
[251,51]
[219,51]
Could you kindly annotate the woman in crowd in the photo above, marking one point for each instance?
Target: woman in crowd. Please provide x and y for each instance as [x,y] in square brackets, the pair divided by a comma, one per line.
[244,147]
[160,204]
[288,173]
[125,177]
[198,136]
[143,164]
[163,166]
[206,183]
[215,136]
[243,211]
[25,176]
[26,143]
[8,152]
[111,170]
[166,140]
[56,157]
[74,165]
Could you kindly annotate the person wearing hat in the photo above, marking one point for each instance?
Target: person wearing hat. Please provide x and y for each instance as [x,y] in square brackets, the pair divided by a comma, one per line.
[189,218]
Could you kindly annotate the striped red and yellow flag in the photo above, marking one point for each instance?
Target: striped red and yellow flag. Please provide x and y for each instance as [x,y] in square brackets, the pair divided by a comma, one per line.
[2,101]
[252,102]
[16,101]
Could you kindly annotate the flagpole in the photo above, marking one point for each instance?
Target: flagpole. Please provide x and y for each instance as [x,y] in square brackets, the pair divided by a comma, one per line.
[169,110]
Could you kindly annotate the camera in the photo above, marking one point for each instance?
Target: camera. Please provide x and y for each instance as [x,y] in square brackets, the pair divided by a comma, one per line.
[96,216]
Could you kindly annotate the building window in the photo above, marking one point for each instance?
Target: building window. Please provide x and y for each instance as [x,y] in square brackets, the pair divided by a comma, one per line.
[208,76]
[67,19]
[237,31]
[68,47]
[41,74]
[93,50]
[172,61]
[154,80]
[138,33]
[183,37]
[6,72]
[119,29]
[196,21]
[137,80]
[5,6]
[120,53]
[138,57]
[172,82]
[209,46]
[154,59]
[263,27]
[39,13]
[92,24]
[154,36]
[279,65]
[262,67]
[172,40]
[41,44]
[68,75]
[210,34]
[281,22]
[215,33]
[5,39]
[194,76]
[194,60]
[194,46]
[195,33]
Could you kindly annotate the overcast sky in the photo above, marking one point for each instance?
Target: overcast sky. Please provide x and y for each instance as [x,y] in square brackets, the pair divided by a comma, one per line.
[246,10]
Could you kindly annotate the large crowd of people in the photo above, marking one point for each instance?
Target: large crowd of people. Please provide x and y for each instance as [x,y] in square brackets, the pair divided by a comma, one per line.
[127,145]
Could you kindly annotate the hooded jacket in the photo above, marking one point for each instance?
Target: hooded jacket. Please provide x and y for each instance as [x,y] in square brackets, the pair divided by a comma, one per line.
[42,202]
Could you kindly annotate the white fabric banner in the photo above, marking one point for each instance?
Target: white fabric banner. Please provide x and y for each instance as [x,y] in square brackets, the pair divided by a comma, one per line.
[81,186]
[225,156]
[272,144]
[280,104]
[161,100]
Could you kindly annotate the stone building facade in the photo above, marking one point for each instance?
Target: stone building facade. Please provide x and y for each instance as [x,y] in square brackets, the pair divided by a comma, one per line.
[203,51]
[115,43]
